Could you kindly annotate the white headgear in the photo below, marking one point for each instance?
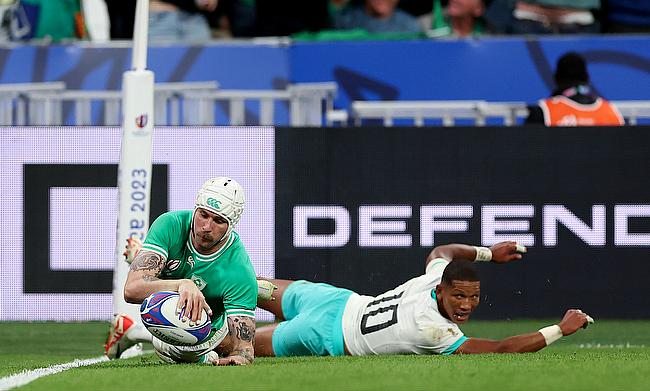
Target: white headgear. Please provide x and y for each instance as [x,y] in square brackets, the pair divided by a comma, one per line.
[223,196]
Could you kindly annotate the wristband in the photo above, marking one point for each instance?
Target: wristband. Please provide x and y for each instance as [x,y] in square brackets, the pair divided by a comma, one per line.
[551,333]
[265,290]
[483,254]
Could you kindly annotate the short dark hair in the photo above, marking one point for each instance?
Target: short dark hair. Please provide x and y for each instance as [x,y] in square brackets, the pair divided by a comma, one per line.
[460,271]
[571,69]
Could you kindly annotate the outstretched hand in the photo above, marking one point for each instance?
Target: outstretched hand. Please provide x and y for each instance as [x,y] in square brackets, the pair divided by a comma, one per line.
[505,252]
[573,320]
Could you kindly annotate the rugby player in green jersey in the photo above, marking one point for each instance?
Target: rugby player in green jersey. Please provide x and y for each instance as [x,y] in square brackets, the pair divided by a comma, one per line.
[197,254]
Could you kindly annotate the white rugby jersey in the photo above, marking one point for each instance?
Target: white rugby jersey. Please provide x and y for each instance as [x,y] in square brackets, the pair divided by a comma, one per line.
[404,320]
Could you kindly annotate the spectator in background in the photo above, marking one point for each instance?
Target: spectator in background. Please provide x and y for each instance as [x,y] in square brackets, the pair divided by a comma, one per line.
[461,18]
[544,16]
[121,14]
[233,18]
[180,20]
[47,20]
[287,17]
[627,16]
[376,16]
[9,19]
[573,103]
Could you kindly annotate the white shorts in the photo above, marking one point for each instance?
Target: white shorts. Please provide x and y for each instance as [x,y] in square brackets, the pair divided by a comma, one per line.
[188,354]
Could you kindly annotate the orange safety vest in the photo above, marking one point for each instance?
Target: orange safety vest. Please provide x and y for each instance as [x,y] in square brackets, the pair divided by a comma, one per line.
[562,111]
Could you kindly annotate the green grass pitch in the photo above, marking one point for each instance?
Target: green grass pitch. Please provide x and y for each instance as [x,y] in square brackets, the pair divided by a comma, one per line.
[610,355]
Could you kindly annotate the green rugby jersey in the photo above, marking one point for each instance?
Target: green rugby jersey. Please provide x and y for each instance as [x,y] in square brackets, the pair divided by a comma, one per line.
[226,278]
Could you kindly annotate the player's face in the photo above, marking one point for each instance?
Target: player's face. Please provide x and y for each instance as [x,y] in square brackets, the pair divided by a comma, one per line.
[208,229]
[459,299]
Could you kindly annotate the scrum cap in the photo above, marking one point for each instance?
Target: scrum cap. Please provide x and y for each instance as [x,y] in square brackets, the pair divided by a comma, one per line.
[223,196]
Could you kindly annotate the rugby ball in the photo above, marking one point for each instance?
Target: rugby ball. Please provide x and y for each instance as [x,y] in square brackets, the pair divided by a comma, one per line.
[159,316]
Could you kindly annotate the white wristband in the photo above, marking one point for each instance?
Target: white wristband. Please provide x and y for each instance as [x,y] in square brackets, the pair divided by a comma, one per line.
[551,333]
[483,254]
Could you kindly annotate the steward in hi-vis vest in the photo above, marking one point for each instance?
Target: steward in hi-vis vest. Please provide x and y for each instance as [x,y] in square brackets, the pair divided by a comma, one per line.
[573,102]
[563,111]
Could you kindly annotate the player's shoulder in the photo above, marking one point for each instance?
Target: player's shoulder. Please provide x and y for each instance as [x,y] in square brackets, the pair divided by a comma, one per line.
[236,246]
[436,266]
[418,284]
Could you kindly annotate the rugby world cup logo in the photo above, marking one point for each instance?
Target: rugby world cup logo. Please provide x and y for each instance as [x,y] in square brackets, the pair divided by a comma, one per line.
[141,120]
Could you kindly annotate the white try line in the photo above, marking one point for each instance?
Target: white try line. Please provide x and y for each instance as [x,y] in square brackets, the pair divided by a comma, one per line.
[24,377]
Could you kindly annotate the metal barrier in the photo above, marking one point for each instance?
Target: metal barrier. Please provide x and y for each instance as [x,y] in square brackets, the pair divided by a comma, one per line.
[478,111]
[169,98]
[632,110]
[184,103]
[15,100]
[308,103]
[48,108]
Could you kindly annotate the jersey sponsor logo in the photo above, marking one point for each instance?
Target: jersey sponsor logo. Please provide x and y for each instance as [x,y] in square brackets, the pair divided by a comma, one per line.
[173,264]
[214,203]
[198,281]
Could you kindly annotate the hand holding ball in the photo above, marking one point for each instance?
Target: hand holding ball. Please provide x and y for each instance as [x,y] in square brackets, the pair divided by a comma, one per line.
[160,317]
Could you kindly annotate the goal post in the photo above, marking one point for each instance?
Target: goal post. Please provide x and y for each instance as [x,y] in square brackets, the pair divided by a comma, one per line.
[135,166]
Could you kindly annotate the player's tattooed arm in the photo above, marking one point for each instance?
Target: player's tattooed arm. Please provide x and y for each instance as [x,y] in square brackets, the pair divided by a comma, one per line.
[144,276]
[241,331]
[148,263]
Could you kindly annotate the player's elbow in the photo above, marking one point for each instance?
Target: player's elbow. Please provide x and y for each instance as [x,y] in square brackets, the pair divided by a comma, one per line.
[131,294]
[445,251]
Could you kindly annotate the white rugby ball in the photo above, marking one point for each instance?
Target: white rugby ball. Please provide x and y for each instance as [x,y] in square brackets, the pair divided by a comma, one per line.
[159,316]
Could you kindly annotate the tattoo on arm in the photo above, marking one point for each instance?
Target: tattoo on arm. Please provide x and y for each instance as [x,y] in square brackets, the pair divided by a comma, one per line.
[150,263]
[242,330]
[246,329]
[247,354]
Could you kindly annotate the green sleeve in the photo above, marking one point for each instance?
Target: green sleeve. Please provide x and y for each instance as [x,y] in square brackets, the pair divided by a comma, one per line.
[163,234]
[240,294]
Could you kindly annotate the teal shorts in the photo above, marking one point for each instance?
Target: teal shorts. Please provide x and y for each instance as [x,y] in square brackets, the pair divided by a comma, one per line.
[313,325]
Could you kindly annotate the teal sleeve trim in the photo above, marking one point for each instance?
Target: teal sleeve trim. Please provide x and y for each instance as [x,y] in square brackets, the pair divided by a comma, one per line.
[455,346]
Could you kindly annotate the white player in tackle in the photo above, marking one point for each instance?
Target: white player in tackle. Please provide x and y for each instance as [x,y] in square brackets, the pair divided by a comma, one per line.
[420,316]
[197,254]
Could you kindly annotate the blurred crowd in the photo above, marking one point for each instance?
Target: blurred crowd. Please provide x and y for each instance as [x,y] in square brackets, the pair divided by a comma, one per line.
[201,20]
